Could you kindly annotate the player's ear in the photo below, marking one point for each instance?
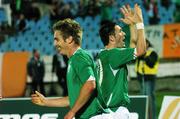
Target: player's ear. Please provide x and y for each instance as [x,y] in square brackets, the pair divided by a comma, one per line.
[111,39]
[69,40]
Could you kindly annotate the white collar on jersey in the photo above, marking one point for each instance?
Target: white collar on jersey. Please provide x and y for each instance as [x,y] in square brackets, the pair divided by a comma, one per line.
[76,50]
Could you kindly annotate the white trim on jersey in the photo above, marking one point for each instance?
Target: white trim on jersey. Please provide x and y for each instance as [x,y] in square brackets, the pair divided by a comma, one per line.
[110,97]
[76,50]
[91,78]
[135,53]
[100,69]
[114,71]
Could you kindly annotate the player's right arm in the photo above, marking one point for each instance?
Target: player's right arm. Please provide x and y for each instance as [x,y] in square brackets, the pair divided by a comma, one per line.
[39,99]
[136,19]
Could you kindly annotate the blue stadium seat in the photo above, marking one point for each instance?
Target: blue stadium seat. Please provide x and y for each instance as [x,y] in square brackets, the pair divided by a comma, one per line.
[2,16]
[43,24]
[4,47]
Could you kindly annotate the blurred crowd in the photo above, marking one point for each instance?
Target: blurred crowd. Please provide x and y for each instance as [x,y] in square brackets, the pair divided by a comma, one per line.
[23,10]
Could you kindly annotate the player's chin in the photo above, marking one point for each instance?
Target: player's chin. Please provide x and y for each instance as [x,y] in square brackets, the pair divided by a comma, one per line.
[62,52]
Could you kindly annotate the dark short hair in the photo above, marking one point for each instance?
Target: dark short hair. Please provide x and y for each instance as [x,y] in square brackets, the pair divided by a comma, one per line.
[69,27]
[107,29]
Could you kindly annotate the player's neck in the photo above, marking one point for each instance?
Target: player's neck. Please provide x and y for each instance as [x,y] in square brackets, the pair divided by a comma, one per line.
[109,46]
[73,50]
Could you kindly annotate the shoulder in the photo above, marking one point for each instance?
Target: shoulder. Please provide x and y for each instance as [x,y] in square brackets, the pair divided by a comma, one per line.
[107,52]
[121,50]
[103,53]
[81,56]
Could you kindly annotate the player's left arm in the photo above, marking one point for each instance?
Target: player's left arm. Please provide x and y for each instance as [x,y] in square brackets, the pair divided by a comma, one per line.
[85,94]
[135,18]
[128,13]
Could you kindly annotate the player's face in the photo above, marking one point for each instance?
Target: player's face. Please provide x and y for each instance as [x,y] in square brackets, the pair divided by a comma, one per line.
[60,43]
[119,37]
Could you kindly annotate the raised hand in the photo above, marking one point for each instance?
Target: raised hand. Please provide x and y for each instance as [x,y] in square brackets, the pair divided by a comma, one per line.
[130,16]
[38,98]
[138,14]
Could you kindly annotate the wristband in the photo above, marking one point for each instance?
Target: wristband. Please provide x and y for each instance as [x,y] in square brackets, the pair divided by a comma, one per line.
[140,26]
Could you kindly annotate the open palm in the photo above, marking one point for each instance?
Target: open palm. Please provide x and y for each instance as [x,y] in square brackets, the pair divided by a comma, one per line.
[130,16]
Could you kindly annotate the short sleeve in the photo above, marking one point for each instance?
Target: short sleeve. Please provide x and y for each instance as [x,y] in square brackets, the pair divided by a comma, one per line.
[84,69]
[121,56]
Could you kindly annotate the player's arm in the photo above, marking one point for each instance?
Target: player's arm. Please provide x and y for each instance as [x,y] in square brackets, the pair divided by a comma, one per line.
[85,94]
[39,99]
[136,19]
[133,37]
[129,13]
[141,43]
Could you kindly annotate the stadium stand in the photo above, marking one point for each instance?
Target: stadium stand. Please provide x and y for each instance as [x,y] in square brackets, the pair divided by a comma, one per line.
[38,34]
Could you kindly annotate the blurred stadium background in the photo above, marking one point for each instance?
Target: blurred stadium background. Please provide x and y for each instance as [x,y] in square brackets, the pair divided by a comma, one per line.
[26,25]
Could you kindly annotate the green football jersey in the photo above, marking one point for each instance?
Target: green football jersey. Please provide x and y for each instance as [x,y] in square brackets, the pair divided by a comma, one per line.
[80,67]
[112,72]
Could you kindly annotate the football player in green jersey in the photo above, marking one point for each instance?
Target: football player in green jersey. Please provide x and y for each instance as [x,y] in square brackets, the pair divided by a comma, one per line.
[113,58]
[80,74]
